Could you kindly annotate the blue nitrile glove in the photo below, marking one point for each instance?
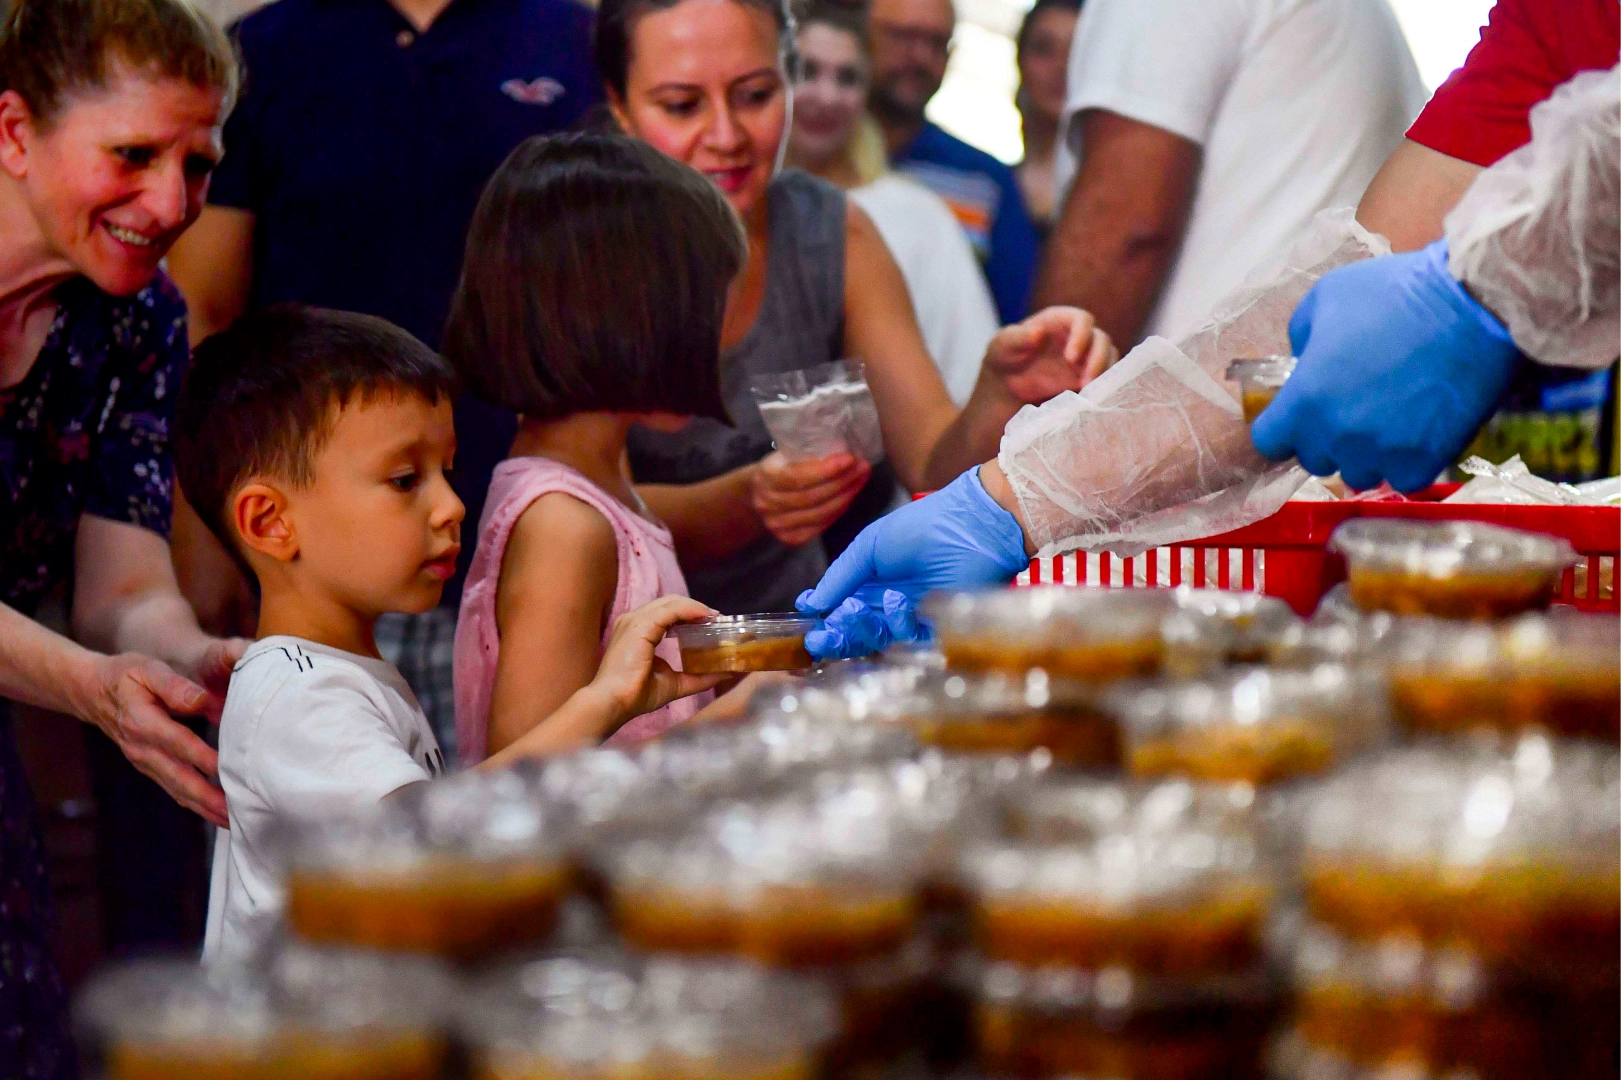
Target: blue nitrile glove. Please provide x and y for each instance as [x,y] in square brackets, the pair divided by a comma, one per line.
[956,538]
[854,629]
[1399,367]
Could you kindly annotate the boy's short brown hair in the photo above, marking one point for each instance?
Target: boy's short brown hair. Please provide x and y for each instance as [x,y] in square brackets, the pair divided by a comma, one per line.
[51,48]
[261,397]
[595,281]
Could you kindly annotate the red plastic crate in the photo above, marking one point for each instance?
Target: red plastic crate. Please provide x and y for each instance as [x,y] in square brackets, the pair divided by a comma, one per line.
[1287,554]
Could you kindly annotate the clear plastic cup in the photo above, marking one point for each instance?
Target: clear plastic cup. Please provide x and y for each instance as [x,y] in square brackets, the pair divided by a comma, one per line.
[1093,635]
[1159,880]
[1560,672]
[462,868]
[1249,725]
[604,1015]
[315,1014]
[1511,855]
[1259,381]
[744,643]
[1454,569]
[1215,628]
[996,713]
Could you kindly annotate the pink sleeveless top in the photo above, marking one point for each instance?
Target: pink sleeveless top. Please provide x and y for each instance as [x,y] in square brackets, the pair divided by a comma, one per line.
[647,571]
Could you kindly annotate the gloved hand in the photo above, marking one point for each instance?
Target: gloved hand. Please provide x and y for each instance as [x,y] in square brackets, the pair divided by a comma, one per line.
[956,538]
[1398,368]
[854,629]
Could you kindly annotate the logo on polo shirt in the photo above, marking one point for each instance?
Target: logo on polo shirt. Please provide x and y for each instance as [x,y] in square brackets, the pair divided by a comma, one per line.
[541,91]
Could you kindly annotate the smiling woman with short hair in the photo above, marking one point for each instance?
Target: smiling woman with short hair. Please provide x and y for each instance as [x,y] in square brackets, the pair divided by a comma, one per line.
[110,114]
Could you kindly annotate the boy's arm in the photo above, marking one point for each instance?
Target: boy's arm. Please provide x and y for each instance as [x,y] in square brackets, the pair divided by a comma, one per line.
[558,579]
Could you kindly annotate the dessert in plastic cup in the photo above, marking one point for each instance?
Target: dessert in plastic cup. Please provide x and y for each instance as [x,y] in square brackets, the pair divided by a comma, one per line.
[745,643]
[1453,569]
[1093,635]
[1259,381]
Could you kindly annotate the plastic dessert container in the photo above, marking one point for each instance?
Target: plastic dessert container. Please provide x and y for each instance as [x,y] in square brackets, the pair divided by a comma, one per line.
[1215,628]
[315,1014]
[743,643]
[1250,725]
[1152,879]
[1510,856]
[1560,672]
[1061,1022]
[1454,569]
[602,1015]
[1259,381]
[1006,714]
[462,869]
[1093,635]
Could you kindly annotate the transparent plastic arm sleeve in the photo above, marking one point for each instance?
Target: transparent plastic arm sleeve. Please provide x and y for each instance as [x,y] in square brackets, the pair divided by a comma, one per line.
[1157,451]
[1537,237]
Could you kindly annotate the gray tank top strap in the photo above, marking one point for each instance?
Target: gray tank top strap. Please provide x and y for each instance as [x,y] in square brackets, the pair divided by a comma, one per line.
[800,324]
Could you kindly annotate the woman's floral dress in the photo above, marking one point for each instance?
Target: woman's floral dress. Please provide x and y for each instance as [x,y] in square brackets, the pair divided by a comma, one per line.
[85,432]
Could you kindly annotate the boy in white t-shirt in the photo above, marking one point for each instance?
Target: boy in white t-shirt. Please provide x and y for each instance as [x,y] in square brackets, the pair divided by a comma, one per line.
[317,446]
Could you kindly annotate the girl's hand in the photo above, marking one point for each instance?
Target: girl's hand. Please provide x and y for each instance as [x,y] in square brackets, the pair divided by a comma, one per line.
[635,681]
[1056,349]
[798,500]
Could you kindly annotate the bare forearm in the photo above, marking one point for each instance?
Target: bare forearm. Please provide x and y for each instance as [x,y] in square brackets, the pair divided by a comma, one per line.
[585,719]
[973,436]
[43,668]
[157,623]
[711,520]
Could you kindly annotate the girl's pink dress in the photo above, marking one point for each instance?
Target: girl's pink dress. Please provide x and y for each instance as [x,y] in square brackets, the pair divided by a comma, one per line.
[647,571]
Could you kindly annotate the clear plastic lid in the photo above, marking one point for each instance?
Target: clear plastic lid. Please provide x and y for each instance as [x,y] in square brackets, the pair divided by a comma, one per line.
[1252,725]
[605,1013]
[1444,549]
[736,629]
[1267,371]
[742,643]
[1215,627]
[1395,967]
[304,994]
[1093,634]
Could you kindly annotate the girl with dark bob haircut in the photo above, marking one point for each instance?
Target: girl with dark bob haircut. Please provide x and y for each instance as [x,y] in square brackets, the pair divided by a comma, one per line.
[591,300]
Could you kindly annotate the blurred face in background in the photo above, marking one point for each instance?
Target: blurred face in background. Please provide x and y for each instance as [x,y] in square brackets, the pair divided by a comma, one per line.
[1044,63]
[829,95]
[911,43]
[706,87]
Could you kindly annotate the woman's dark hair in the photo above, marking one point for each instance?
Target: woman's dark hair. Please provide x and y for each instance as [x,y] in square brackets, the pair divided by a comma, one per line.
[616,20]
[1022,39]
[51,48]
[595,281]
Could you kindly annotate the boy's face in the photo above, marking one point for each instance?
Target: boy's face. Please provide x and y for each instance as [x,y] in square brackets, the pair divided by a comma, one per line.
[379,528]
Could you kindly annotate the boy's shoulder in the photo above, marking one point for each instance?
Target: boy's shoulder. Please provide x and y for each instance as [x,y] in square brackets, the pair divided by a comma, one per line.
[292,677]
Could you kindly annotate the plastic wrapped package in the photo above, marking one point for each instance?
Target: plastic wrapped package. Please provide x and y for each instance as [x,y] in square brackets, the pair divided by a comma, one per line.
[1156,451]
[461,868]
[1252,726]
[603,1015]
[996,713]
[820,411]
[1560,672]
[1093,635]
[1537,237]
[314,1014]
[1454,569]
[1510,483]
[1156,880]
[1063,1022]
[1512,856]
[743,643]
[1214,628]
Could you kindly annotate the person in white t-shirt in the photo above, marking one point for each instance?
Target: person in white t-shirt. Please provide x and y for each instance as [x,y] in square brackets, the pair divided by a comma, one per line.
[1199,139]
[833,137]
[317,446]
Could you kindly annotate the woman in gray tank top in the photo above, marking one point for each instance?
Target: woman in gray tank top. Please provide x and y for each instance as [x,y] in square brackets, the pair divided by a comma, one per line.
[705,81]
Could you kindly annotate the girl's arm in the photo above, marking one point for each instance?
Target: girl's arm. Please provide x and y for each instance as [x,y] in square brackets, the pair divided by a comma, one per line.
[631,681]
[557,585]
[929,441]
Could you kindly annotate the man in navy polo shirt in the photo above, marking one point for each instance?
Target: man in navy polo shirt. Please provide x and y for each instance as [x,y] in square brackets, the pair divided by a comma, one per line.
[364,136]
[911,43]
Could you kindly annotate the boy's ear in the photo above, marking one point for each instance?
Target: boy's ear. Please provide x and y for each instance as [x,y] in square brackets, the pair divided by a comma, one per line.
[259,513]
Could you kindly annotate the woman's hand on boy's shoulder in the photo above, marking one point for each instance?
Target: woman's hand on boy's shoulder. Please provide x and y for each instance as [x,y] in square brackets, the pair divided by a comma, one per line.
[634,679]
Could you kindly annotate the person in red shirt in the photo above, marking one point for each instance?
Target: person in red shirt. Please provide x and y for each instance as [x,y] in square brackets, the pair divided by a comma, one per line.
[1554,419]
